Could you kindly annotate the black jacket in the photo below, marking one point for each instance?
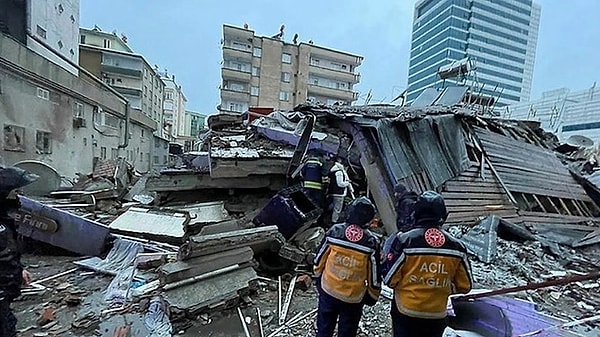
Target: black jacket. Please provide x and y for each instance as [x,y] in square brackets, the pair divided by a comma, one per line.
[10,261]
[405,205]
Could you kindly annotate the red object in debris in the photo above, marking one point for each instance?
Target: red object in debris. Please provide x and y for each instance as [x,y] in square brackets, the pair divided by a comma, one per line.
[255,112]
[46,316]
[122,331]
[303,282]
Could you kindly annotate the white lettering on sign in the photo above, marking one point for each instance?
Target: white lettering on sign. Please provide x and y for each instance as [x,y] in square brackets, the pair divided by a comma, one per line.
[431,282]
[434,268]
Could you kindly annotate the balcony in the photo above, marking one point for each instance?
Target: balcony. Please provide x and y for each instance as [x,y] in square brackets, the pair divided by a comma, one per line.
[232,95]
[107,68]
[345,95]
[234,74]
[341,75]
[233,53]
[237,33]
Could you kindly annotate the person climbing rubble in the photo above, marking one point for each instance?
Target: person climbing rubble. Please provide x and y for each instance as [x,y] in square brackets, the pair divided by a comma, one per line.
[311,172]
[347,266]
[12,274]
[339,186]
[424,266]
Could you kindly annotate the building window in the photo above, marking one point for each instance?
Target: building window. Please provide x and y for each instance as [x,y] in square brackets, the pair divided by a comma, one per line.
[41,32]
[169,95]
[78,110]
[43,94]
[286,58]
[314,62]
[155,160]
[284,96]
[285,77]
[82,39]
[254,91]
[14,138]
[103,153]
[142,133]
[255,71]
[106,43]
[165,160]
[43,142]
[114,153]
[257,52]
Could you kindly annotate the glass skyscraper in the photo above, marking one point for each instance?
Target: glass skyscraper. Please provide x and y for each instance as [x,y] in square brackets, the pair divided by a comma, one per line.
[499,35]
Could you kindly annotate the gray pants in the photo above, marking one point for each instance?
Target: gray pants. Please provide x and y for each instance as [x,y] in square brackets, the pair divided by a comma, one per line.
[8,321]
[338,206]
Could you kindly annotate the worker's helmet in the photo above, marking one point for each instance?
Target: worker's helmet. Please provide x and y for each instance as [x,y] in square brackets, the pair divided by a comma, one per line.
[430,207]
[360,212]
[12,178]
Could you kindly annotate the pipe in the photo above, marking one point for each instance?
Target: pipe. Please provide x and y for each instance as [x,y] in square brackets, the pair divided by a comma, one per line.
[127,122]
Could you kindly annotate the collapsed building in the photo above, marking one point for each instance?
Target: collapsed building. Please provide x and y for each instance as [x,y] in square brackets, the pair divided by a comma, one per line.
[233,211]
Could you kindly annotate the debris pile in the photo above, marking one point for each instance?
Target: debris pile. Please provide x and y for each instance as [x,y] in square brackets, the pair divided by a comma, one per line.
[226,241]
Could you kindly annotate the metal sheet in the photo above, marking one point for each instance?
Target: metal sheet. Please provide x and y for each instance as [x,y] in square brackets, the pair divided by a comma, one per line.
[426,98]
[482,239]
[74,233]
[208,212]
[154,223]
[451,96]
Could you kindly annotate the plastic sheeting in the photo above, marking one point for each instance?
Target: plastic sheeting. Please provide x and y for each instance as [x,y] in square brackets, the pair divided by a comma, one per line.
[156,320]
[118,291]
[121,256]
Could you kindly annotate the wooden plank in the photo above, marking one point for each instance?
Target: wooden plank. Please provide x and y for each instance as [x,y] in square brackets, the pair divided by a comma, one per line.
[492,203]
[480,208]
[473,189]
[472,195]
[539,203]
[562,202]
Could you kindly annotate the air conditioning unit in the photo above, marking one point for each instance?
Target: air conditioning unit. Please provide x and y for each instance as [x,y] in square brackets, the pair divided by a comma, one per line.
[79,122]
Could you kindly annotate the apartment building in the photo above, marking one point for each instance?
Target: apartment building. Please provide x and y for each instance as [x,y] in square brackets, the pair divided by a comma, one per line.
[48,28]
[499,35]
[564,112]
[173,108]
[269,72]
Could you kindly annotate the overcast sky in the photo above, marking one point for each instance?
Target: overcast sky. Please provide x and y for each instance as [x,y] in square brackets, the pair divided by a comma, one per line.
[184,37]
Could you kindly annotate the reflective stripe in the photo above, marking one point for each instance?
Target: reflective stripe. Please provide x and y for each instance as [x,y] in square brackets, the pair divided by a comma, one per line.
[374,278]
[313,185]
[394,269]
[350,245]
[436,251]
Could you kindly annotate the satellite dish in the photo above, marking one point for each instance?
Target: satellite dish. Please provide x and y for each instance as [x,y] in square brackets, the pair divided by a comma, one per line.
[579,141]
[48,181]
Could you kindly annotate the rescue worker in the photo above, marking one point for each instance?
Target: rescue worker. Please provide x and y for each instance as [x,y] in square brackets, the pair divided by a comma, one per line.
[339,186]
[424,266]
[347,267]
[405,203]
[312,176]
[12,274]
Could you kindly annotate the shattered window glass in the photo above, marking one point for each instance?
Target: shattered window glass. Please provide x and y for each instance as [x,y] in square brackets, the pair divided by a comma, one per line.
[14,138]
[43,142]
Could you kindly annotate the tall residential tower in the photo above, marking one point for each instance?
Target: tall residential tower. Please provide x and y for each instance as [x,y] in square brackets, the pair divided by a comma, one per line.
[269,72]
[499,35]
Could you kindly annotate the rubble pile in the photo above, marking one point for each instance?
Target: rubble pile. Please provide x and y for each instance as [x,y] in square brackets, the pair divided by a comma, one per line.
[224,243]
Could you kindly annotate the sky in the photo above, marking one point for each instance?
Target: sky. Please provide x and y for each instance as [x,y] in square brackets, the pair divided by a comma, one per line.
[184,36]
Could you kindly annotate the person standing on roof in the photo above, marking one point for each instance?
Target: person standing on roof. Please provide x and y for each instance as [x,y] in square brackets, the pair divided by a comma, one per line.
[347,266]
[339,186]
[424,266]
[12,274]
[312,179]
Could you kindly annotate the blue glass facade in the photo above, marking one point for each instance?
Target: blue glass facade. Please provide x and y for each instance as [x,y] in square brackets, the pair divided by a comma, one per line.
[497,34]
